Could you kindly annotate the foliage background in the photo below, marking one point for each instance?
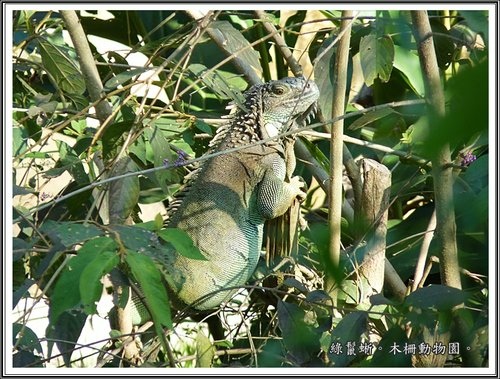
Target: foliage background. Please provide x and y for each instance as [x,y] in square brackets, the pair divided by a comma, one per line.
[168,87]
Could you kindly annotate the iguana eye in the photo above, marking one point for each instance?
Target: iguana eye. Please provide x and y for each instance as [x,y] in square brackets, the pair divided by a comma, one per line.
[278,90]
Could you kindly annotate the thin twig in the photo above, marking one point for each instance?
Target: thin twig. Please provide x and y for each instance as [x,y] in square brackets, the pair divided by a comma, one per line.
[375,146]
[424,250]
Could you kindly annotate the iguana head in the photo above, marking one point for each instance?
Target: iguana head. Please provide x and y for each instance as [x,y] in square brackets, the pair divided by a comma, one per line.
[268,110]
[282,101]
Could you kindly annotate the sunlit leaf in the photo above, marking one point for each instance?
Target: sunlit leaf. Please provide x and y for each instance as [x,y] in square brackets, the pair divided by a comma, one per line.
[90,279]
[70,233]
[224,84]
[408,63]
[137,238]
[377,57]
[150,280]
[67,75]
[182,243]
[124,77]
[205,351]
[236,43]
[66,295]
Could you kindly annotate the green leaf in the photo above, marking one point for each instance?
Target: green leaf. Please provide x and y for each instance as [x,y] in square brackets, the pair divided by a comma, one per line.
[316,152]
[370,117]
[137,238]
[66,332]
[227,344]
[318,296]
[25,358]
[90,279]
[323,74]
[409,64]
[205,351]
[113,138]
[294,283]
[436,297]
[349,329]
[376,57]
[235,43]
[390,349]
[182,243]
[79,102]
[124,77]
[273,354]
[158,222]
[203,126]
[37,155]
[35,110]
[17,190]
[161,152]
[64,70]
[300,338]
[70,233]
[66,295]
[224,84]
[20,137]
[25,338]
[149,278]
[68,161]
[170,128]
[124,192]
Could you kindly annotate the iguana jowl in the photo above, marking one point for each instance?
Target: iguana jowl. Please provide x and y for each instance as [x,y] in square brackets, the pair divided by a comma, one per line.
[225,206]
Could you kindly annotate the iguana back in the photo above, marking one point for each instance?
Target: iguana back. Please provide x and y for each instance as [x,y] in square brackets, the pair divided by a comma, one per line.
[225,206]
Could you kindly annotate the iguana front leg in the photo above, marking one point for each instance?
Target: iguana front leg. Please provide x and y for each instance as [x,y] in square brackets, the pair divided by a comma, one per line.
[281,232]
[274,194]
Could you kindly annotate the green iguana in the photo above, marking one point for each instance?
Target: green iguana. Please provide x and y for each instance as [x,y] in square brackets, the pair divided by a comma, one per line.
[224,207]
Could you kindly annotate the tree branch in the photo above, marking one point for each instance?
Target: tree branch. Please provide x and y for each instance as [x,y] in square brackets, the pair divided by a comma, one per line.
[442,174]
[443,182]
[87,64]
[280,44]
[336,142]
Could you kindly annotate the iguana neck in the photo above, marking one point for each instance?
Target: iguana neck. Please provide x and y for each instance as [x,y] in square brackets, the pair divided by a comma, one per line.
[261,118]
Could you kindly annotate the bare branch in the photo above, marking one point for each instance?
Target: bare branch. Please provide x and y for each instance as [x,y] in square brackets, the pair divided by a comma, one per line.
[87,64]
[441,172]
[336,142]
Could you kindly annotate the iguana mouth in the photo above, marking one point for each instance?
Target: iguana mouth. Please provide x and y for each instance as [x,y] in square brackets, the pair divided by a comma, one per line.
[305,117]
[310,112]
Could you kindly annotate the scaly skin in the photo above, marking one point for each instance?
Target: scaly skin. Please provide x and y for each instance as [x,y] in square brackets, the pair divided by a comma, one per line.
[225,207]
